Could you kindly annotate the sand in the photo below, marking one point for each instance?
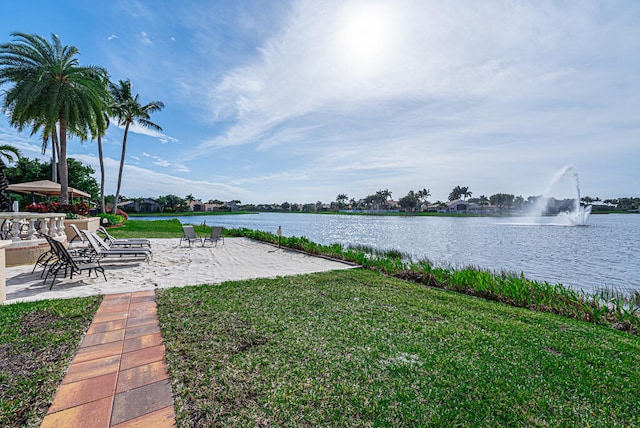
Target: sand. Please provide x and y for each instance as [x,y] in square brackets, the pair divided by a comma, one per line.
[171,266]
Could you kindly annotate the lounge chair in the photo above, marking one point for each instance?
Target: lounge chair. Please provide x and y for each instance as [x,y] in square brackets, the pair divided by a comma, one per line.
[216,235]
[129,242]
[78,234]
[51,256]
[65,262]
[189,234]
[101,249]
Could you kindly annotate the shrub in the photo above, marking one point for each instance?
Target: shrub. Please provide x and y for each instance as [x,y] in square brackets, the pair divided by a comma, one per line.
[112,219]
[56,207]
[122,214]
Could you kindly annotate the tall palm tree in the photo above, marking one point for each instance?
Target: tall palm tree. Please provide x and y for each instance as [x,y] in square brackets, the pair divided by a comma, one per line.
[6,152]
[341,199]
[50,87]
[127,109]
[423,194]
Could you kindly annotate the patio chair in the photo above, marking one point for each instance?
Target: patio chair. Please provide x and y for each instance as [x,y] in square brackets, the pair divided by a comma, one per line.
[66,263]
[189,235]
[129,242]
[101,249]
[216,235]
[78,234]
[51,256]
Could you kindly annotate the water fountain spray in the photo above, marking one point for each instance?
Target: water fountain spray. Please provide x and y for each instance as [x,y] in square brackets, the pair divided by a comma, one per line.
[579,214]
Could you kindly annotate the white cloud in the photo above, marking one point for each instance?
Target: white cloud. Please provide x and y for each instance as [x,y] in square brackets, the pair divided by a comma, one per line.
[145,39]
[137,129]
[111,37]
[178,167]
[142,182]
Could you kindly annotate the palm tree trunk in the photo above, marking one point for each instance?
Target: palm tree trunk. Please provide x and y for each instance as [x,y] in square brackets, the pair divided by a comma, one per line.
[102,207]
[5,201]
[55,157]
[124,149]
[63,171]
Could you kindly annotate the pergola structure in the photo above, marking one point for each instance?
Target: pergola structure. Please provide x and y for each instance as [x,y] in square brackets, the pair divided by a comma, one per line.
[45,188]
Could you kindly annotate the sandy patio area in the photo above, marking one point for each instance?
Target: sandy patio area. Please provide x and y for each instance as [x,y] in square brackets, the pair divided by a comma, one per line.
[171,266]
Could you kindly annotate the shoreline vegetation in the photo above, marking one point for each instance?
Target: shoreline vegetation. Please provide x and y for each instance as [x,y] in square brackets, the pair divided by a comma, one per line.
[359,347]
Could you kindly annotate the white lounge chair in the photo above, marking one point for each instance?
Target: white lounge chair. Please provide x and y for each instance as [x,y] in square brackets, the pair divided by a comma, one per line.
[128,242]
[102,249]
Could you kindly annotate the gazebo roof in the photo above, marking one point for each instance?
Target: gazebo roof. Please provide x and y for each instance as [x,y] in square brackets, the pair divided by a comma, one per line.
[44,188]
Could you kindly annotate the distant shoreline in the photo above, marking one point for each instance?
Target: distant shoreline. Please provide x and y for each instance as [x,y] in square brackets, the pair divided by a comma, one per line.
[352,213]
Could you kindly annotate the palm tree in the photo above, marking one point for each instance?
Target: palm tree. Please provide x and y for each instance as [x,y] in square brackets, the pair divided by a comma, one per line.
[190,199]
[423,194]
[100,131]
[49,88]
[6,152]
[459,192]
[127,110]
[382,196]
[101,158]
[341,199]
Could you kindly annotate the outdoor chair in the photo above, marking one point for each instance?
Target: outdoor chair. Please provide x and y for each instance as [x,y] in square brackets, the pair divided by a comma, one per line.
[189,235]
[129,242]
[101,249]
[216,235]
[45,258]
[51,256]
[78,234]
[66,263]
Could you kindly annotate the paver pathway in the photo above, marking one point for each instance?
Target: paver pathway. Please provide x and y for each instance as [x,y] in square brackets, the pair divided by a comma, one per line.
[118,378]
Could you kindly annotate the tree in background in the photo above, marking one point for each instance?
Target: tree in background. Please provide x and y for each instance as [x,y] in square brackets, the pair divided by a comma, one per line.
[171,203]
[459,192]
[502,200]
[6,152]
[409,202]
[341,199]
[382,196]
[126,109]
[423,195]
[189,199]
[80,175]
[49,88]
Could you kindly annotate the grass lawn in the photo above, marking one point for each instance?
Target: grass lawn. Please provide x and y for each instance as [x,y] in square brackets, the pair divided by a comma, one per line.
[154,229]
[359,348]
[37,341]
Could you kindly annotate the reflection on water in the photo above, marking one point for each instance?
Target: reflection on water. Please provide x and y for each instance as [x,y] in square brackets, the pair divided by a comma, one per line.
[603,253]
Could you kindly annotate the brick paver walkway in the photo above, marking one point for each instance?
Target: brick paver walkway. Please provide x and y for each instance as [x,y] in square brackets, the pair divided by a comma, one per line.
[118,378]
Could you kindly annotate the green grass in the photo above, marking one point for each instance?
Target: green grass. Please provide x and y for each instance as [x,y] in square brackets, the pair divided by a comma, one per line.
[187,213]
[171,228]
[359,348]
[37,341]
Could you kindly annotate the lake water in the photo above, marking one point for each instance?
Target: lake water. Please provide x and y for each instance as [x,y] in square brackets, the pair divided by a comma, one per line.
[605,252]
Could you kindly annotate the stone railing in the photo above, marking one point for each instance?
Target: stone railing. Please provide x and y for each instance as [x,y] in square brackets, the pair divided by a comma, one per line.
[22,226]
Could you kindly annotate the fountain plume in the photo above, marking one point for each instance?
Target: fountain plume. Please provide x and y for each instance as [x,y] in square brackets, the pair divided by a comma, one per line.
[578,215]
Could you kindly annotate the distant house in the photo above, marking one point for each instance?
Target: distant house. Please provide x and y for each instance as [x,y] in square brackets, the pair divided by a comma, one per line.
[146,205]
[198,206]
[461,206]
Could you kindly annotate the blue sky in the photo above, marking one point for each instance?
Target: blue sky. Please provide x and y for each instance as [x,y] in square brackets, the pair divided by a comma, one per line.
[272,101]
